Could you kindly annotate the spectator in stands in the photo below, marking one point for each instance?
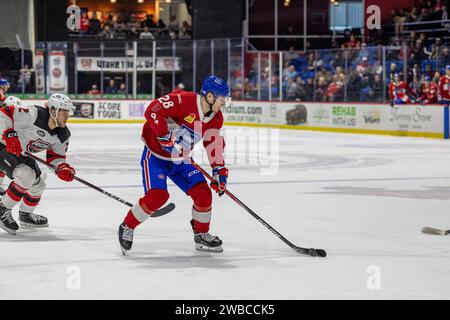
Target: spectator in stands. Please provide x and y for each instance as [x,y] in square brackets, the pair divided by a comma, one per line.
[109,21]
[159,34]
[111,88]
[352,43]
[392,71]
[363,52]
[249,89]
[375,92]
[94,90]
[84,23]
[120,29]
[417,52]
[291,73]
[184,33]
[173,24]
[444,17]
[290,55]
[437,6]
[146,34]
[436,77]
[412,16]
[94,25]
[301,93]
[291,89]
[133,34]
[321,87]
[148,22]
[107,33]
[25,78]
[334,90]
[423,14]
[435,49]
[363,66]
[122,89]
[444,57]
[161,24]
[187,26]
[354,85]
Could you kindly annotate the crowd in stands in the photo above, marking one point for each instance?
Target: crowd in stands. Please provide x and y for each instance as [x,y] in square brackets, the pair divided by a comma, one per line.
[127,27]
[352,70]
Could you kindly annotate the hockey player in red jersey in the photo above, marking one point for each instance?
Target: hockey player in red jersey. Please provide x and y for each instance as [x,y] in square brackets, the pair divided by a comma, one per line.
[398,91]
[429,92]
[4,86]
[166,155]
[32,129]
[444,87]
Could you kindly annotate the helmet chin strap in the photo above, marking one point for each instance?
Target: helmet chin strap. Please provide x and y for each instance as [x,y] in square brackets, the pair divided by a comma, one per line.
[210,107]
[55,118]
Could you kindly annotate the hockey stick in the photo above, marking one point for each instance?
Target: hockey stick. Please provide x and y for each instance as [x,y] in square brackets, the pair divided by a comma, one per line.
[439,232]
[158,213]
[312,252]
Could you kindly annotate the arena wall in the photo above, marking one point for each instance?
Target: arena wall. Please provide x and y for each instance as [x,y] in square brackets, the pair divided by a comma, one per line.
[369,118]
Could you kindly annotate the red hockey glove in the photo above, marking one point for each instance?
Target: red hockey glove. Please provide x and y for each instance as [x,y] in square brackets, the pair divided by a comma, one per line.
[12,142]
[65,172]
[219,183]
[169,143]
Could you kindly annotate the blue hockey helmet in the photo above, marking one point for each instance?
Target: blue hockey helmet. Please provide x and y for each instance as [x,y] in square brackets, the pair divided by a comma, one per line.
[215,85]
[4,82]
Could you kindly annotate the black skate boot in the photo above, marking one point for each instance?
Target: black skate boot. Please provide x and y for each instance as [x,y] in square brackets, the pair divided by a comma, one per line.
[32,220]
[205,241]
[125,238]
[7,221]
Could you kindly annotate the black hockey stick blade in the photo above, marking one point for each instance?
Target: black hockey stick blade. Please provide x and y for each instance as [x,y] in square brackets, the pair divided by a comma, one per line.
[439,232]
[163,211]
[312,252]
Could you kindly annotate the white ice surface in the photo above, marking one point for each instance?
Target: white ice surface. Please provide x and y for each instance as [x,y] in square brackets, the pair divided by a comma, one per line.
[363,198]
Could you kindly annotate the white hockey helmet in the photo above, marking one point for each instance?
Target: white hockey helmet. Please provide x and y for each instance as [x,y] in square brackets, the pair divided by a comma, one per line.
[12,101]
[60,101]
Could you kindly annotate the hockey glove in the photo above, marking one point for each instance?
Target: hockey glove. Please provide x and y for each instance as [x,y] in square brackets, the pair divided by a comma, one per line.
[65,172]
[219,183]
[12,142]
[170,144]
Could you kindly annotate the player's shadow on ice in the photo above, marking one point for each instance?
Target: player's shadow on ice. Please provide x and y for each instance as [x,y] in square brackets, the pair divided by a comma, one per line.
[43,235]
[197,260]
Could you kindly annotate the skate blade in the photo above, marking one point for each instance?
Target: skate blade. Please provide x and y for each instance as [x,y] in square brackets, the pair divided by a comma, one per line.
[32,226]
[10,231]
[201,247]
[124,251]
[434,231]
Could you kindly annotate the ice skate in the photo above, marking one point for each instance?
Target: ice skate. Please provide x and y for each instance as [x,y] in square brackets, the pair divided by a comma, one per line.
[32,220]
[206,242]
[7,221]
[125,238]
